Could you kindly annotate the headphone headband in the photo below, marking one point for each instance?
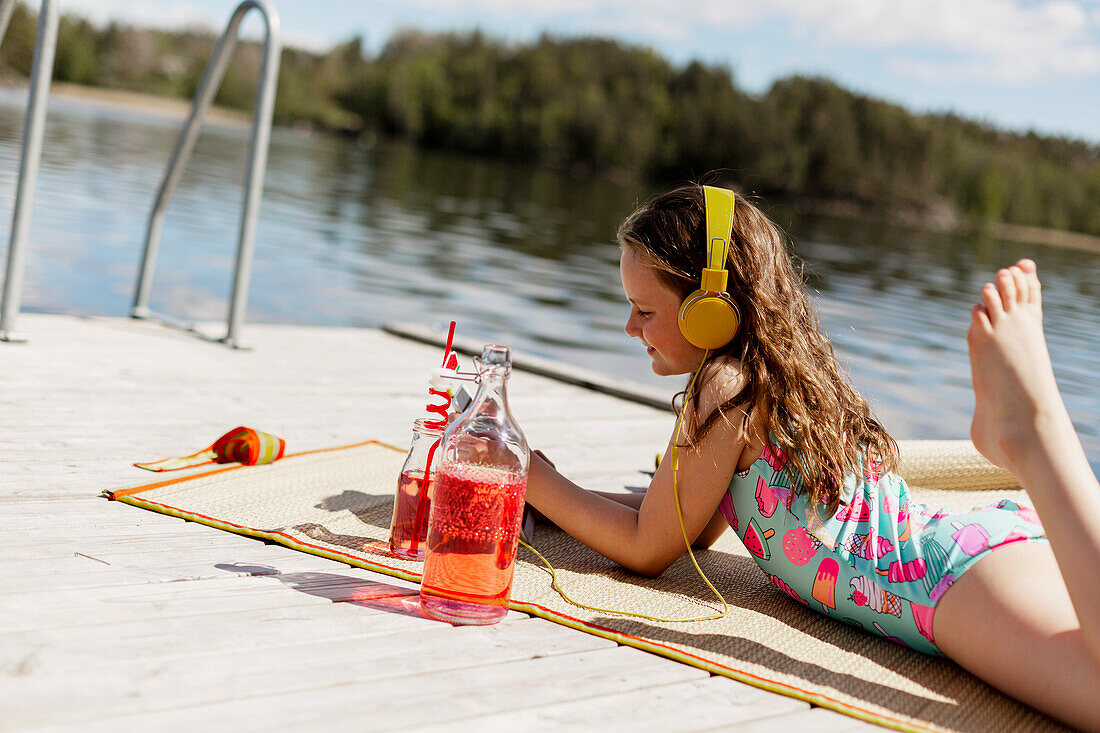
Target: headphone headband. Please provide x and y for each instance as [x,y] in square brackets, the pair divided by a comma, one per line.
[719,226]
[719,209]
[708,317]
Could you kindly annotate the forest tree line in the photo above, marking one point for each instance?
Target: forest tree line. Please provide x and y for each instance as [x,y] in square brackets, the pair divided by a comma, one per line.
[605,107]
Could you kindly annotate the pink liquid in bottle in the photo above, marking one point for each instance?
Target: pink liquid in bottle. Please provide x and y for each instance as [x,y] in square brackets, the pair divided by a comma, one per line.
[412,498]
[472,538]
[412,505]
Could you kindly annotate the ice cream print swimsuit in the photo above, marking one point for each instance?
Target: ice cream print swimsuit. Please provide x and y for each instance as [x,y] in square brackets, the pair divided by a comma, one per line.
[881,562]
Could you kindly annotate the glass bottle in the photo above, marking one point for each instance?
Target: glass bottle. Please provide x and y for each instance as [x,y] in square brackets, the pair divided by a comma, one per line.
[412,501]
[477,505]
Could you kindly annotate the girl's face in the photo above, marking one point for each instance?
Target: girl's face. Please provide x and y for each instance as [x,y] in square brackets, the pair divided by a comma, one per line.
[654,308]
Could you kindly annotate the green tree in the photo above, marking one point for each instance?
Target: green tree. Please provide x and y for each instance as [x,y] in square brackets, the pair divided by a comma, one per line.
[17,46]
[76,60]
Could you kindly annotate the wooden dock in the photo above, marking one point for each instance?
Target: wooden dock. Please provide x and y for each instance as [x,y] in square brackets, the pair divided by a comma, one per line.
[113,618]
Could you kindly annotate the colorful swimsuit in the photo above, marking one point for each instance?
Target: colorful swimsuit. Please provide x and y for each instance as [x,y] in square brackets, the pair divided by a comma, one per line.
[881,562]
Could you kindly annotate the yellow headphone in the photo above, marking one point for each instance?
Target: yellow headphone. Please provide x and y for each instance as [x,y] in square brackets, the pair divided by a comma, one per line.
[708,317]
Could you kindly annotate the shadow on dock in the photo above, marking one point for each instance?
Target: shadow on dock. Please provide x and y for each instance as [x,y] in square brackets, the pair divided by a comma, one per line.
[340,588]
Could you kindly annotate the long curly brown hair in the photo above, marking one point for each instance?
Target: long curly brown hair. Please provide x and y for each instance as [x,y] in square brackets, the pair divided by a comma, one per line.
[792,378]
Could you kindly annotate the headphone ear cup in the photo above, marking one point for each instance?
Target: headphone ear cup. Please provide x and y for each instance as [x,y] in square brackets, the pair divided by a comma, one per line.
[709,320]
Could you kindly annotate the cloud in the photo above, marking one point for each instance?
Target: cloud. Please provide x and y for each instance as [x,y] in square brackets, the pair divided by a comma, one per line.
[184,14]
[142,13]
[1008,41]
[941,40]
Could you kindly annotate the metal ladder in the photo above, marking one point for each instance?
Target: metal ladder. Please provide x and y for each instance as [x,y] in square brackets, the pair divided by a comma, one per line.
[42,70]
[257,163]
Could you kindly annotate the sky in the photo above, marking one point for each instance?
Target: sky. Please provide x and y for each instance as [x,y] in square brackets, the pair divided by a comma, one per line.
[1017,64]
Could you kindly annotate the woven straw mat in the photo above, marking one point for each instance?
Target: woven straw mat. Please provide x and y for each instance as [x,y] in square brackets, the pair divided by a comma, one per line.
[337,503]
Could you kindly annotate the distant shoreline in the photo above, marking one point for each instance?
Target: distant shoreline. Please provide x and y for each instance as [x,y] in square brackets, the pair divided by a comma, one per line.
[176,108]
[1051,237]
[152,104]
[946,222]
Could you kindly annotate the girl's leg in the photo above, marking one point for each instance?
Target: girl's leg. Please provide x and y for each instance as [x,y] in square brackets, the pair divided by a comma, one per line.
[1012,622]
[1009,621]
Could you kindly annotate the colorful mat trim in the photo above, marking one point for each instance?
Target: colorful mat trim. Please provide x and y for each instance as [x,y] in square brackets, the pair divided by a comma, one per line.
[336,503]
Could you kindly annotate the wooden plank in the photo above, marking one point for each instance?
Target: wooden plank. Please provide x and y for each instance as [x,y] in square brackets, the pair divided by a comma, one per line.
[411,700]
[109,688]
[693,705]
[108,570]
[126,545]
[45,536]
[89,606]
[46,516]
[48,508]
[86,509]
[59,650]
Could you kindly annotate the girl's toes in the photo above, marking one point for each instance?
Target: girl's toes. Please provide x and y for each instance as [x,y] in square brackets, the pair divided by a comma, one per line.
[1034,294]
[991,299]
[1034,288]
[1020,280]
[1028,266]
[1007,288]
[979,321]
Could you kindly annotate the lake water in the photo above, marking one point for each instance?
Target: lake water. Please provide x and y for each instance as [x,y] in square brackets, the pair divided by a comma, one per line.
[357,236]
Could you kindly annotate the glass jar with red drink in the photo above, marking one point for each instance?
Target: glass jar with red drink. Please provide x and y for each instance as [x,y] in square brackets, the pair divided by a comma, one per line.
[413,499]
[477,505]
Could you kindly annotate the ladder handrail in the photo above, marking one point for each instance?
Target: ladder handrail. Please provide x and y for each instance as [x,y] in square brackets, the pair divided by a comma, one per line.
[257,161]
[6,9]
[45,46]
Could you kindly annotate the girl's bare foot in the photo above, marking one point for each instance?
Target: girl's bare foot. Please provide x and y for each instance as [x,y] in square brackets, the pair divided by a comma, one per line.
[1014,386]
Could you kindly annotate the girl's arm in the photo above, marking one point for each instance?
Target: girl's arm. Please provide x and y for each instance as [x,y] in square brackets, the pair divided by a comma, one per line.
[633,500]
[647,538]
[710,534]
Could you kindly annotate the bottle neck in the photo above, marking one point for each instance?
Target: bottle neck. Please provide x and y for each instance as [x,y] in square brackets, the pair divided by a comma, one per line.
[494,381]
[487,430]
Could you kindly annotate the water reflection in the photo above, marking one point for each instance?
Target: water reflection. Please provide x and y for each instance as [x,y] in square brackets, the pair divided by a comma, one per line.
[356,236]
